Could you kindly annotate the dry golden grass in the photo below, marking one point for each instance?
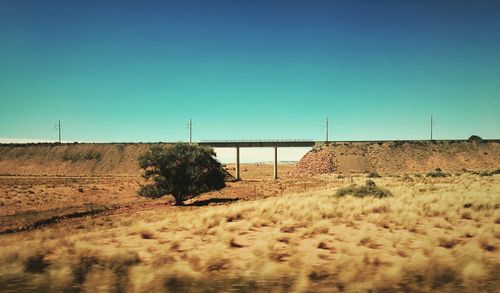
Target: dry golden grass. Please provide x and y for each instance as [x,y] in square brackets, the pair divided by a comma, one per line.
[433,234]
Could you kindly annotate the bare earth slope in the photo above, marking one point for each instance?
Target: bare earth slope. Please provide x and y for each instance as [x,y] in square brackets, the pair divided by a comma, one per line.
[401,156]
[387,156]
[71,159]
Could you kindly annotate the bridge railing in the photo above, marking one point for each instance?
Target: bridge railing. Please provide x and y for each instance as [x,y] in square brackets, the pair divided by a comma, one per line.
[256,140]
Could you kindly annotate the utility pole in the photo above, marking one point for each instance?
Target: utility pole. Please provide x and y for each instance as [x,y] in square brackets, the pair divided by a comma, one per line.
[327,129]
[58,127]
[431,126]
[190,126]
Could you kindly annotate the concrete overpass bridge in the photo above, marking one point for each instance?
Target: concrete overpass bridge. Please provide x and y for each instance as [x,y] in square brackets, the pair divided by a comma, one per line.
[237,144]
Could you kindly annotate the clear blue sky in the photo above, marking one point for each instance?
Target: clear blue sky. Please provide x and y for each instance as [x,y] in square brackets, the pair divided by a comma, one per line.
[138,70]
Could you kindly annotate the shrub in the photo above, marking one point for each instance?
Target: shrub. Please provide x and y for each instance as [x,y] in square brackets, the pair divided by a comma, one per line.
[435,174]
[369,189]
[475,137]
[147,234]
[373,175]
[36,264]
[182,170]
[495,172]
[370,183]
[484,173]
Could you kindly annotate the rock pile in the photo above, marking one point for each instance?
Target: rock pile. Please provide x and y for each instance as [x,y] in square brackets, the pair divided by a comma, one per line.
[317,161]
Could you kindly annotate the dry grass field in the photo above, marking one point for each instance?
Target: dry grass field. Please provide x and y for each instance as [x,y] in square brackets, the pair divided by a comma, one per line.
[433,234]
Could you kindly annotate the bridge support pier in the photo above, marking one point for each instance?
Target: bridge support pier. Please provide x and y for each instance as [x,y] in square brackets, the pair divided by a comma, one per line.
[238,163]
[275,162]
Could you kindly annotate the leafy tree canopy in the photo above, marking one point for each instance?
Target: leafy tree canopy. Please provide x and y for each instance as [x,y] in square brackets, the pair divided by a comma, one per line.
[182,170]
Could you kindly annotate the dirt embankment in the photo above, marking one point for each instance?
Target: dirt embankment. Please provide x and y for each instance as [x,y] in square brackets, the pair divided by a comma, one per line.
[387,157]
[401,157]
[71,159]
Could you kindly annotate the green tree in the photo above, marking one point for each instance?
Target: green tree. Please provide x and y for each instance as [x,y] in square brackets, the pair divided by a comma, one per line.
[475,137]
[182,170]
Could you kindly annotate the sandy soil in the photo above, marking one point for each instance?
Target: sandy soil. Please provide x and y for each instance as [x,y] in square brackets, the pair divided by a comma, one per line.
[25,200]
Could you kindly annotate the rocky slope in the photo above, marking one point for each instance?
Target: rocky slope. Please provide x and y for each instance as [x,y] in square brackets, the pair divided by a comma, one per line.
[401,157]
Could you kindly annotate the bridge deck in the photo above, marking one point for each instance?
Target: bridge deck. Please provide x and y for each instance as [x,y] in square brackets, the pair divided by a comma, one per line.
[258,143]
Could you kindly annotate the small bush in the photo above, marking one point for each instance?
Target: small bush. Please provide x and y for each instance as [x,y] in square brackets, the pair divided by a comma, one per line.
[373,175]
[495,172]
[147,234]
[36,264]
[370,183]
[369,189]
[436,174]
[475,137]
[484,173]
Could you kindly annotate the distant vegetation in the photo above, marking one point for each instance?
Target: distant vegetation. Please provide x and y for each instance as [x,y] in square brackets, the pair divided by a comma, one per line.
[437,173]
[487,173]
[369,189]
[373,175]
[475,137]
[181,170]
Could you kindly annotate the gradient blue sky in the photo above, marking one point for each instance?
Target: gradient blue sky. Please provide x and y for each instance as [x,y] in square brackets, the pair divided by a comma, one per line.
[138,70]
